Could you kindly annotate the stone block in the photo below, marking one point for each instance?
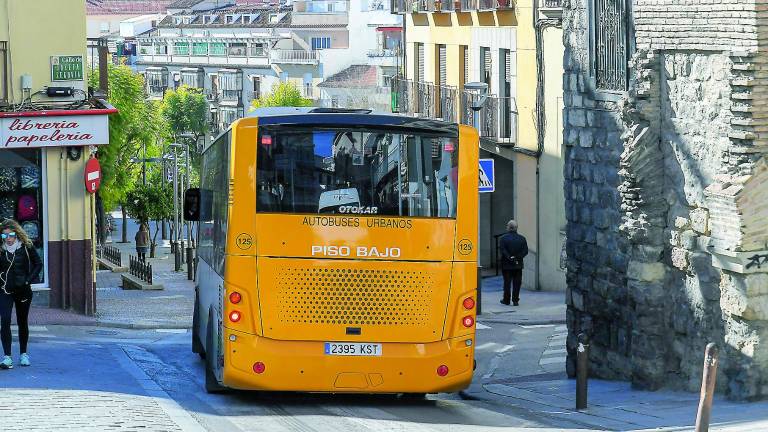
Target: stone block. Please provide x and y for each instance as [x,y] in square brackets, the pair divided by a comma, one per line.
[577,118]
[130,282]
[680,258]
[674,238]
[681,223]
[646,272]
[586,139]
[688,239]
[744,296]
[700,220]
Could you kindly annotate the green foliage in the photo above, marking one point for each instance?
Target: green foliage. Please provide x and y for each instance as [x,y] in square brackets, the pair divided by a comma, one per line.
[134,126]
[184,111]
[284,94]
[153,201]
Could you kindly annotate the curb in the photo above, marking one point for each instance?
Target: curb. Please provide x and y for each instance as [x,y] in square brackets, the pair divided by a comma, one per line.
[142,326]
[555,321]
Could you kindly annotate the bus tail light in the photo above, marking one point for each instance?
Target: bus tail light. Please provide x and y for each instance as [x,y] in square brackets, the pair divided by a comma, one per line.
[235,297]
[468,303]
[442,370]
[468,321]
[235,316]
[259,367]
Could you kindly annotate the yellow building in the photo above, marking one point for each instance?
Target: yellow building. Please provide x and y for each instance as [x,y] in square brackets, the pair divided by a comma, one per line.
[46,142]
[517,50]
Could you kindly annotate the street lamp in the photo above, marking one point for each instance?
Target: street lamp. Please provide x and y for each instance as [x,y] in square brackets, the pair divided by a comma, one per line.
[175,234]
[480,90]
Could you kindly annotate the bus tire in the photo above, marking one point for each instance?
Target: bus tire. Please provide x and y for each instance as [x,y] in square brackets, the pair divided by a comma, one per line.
[211,383]
[413,396]
[197,346]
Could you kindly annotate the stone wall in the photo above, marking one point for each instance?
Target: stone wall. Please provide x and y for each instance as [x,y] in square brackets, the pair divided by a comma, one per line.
[666,189]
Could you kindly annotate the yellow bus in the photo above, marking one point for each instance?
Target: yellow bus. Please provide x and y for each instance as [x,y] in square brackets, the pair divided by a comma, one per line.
[337,253]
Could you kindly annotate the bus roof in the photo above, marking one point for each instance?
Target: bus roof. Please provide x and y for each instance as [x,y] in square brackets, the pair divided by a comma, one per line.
[342,117]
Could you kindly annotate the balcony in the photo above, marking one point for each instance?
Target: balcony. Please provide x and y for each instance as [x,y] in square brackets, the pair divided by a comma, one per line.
[281,56]
[444,6]
[552,9]
[498,117]
[381,52]
[449,6]
[319,7]
[424,99]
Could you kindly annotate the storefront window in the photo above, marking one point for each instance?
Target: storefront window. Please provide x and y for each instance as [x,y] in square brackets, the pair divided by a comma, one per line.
[21,194]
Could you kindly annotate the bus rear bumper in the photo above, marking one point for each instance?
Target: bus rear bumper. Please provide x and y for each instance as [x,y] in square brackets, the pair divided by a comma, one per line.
[303,366]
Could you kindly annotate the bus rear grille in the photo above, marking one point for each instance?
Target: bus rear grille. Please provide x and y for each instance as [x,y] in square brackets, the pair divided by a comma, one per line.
[355,296]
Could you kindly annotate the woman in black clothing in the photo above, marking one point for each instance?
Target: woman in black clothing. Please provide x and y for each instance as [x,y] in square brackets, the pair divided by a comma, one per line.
[19,267]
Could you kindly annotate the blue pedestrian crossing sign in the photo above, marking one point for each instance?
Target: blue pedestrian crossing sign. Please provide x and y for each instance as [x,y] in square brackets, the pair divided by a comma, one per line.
[486,183]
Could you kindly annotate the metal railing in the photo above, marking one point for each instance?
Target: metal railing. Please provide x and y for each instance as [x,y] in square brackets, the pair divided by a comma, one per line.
[468,5]
[444,6]
[113,255]
[424,99]
[498,117]
[381,52]
[294,56]
[554,4]
[140,269]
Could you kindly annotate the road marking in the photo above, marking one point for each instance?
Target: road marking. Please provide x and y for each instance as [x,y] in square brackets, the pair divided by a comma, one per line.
[175,331]
[561,328]
[479,326]
[555,351]
[504,348]
[535,326]
[169,297]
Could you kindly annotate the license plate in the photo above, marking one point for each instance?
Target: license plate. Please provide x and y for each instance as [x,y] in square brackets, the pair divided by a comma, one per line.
[352,349]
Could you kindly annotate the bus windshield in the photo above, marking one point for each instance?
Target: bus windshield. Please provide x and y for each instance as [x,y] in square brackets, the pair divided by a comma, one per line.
[356,171]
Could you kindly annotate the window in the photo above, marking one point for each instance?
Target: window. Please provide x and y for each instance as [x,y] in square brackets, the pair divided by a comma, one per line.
[327,171]
[156,81]
[227,115]
[321,43]
[258,50]
[200,48]
[465,68]
[181,48]
[237,49]
[214,182]
[486,66]
[192,78]
[442,73]
[610,44]
[256,80]
[218,49]
[419,64]
[231,84]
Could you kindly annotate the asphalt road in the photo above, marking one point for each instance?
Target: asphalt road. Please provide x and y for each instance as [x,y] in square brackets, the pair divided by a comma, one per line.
[88,378]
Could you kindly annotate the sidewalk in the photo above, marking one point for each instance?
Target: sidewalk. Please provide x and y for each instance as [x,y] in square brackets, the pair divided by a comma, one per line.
[169,308]
[614,405]
[536,307]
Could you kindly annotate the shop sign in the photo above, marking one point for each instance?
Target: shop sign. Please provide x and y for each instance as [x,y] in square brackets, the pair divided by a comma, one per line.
[54,131]
[92,175]
[67,68]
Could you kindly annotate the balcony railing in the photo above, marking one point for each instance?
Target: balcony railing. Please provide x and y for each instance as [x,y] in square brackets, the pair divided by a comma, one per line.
[294,56]
[381,53]
[498,117]
[551,9]
[448,6]
[425,99]
[553,4]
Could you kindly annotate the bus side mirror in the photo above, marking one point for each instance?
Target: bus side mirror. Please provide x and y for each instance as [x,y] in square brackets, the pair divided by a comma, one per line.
[192,204]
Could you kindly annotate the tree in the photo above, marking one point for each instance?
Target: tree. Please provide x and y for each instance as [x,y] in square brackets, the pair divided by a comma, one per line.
[151,202]
[184,111]
[283,94]
[134,126]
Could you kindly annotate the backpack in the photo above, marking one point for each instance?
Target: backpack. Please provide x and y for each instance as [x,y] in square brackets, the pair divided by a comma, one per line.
[32,229]
[30,177]
[27,208]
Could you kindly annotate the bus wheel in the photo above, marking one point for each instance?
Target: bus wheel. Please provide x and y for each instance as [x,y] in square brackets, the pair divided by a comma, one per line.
[413,396]
[211,383]
[197,346]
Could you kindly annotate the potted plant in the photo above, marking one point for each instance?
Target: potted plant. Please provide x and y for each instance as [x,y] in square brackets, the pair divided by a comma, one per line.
[503,4]
[438,5]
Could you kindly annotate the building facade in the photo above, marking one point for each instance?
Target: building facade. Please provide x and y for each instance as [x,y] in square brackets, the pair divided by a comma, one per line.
[234,54]
[666,185]
[516,49]
[47,142]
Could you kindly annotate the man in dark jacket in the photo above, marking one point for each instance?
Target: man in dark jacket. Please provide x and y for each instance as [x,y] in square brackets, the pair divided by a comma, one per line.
[513,249]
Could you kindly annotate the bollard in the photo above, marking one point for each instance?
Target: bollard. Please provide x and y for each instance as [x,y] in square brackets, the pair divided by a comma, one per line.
[707,388]
[190,264]
[183,253]
[176,260]
[582,371]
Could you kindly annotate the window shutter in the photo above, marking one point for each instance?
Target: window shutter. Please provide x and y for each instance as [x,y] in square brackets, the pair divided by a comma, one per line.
[465,53]
[507,66]
[420,62]
[441,54]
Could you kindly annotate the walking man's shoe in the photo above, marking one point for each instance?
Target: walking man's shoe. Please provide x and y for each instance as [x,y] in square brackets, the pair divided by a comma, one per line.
[24,359]
[504,302]
[7,363]
[516,303]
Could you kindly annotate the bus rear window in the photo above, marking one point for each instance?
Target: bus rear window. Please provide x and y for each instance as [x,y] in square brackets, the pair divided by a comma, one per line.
[353,171]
